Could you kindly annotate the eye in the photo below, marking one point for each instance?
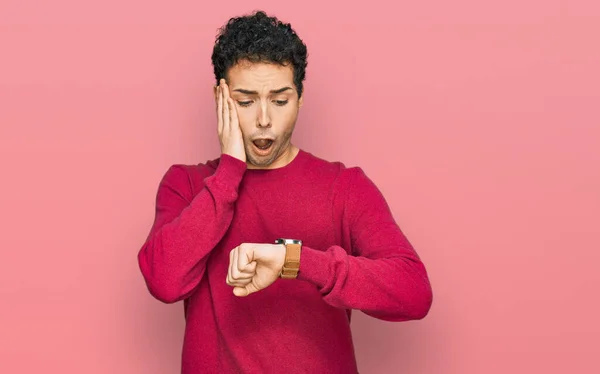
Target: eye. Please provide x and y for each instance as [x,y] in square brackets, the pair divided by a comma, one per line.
[244,103]
[281,102]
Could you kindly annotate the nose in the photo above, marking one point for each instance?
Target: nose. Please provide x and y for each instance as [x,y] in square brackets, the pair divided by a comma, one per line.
[263,116]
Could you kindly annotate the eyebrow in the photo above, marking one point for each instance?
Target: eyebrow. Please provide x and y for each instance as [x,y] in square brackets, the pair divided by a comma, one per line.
[249,92]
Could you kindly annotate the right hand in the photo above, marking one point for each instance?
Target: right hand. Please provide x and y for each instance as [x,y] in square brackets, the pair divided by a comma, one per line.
[228,125]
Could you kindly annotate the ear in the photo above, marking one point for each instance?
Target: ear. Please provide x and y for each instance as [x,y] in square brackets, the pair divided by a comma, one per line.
[301,101]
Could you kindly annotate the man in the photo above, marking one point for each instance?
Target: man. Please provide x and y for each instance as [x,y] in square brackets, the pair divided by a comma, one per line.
[253,305]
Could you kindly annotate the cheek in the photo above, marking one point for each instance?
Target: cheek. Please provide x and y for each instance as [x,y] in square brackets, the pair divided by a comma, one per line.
[246,120]
[288,116]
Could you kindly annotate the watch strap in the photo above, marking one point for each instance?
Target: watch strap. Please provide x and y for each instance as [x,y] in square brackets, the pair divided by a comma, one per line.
[291,264]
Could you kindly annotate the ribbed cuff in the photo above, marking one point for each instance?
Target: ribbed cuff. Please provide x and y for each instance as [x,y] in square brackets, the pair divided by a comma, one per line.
[230,171]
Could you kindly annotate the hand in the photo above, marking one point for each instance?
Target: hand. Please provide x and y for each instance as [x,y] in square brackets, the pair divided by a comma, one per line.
[228,125]
[253,267]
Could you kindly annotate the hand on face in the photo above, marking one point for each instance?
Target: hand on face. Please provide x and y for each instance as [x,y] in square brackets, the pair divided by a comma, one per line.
[253,267]
[228,124]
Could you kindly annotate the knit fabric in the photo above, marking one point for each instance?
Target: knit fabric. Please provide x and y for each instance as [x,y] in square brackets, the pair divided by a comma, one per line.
[354,256]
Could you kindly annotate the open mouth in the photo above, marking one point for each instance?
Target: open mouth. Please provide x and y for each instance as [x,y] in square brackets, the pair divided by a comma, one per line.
[263,144]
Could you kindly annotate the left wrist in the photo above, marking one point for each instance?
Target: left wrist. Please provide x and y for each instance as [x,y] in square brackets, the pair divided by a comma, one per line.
[292,249]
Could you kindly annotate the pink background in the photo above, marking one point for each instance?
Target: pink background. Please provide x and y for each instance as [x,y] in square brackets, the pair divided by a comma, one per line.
[478,120]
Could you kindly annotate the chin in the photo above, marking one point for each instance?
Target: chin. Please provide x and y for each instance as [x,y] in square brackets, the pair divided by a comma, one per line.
[261,161]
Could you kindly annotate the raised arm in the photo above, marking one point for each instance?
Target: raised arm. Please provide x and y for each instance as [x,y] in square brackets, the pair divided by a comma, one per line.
[382,276]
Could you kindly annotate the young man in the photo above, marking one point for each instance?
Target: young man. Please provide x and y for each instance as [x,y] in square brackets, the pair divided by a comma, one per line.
[269,246]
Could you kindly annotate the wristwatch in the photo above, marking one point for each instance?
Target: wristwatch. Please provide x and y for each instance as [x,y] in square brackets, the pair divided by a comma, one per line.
[291,265]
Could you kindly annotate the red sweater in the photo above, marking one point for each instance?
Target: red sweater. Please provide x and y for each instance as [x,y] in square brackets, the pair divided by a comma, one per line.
[354,256]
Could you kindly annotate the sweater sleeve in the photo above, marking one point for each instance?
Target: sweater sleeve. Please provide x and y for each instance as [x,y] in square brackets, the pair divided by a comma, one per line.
[186,228]
[382,276]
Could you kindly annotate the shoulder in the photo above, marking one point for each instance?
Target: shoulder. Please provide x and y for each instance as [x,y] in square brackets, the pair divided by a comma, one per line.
[333,168]
[347,181]
[189,178]
[356,186]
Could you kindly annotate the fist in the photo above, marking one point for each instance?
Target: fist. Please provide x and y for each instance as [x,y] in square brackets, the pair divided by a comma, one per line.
[254,266]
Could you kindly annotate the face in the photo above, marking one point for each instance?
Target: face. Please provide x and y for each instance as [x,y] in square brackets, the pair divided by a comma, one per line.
[267,105]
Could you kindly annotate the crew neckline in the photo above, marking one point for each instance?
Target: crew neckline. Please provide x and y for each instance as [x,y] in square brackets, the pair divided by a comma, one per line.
[279,172]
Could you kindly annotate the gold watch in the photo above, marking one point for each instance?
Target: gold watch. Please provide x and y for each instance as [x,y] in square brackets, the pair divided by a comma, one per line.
[291,265]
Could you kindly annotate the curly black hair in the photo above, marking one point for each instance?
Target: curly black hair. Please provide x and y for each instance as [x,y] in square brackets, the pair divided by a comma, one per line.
[259,38]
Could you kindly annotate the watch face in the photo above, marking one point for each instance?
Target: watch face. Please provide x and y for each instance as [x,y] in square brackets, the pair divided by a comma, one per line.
[288,241]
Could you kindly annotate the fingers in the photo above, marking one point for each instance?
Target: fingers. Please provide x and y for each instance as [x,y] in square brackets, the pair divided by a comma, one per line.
[236,271]
[229,109]
[232,115]
[233,118]
[225,112]
[240,271]
[245,290]
[219,110]
[245,265]
[230,271]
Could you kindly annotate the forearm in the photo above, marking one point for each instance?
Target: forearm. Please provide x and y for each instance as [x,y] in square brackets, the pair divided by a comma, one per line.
[376,269]
[173,258]
[392,288]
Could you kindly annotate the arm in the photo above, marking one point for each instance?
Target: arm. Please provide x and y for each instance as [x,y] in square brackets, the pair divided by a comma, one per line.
[186,228]
[383,277]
